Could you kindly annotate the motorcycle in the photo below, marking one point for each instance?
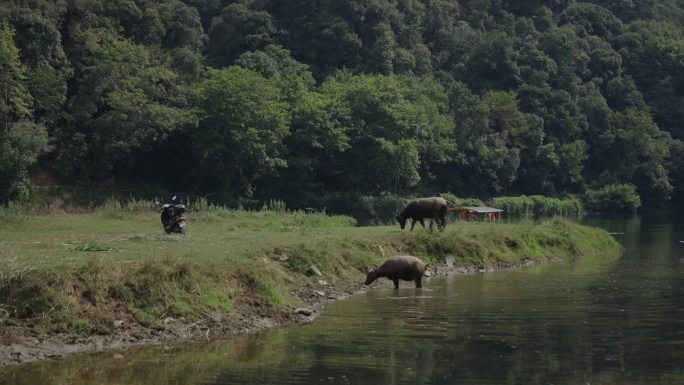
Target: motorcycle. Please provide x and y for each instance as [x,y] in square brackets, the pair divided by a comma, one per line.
[173,217]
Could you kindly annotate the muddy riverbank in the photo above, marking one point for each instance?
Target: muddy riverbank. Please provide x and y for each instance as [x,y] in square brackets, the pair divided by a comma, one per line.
[22,345]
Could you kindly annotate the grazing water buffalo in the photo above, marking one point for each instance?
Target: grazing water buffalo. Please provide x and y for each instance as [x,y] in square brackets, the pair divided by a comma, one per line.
[434,208]
[403,267]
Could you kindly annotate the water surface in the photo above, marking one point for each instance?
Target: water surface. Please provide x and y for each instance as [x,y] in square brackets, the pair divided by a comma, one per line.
[598,320]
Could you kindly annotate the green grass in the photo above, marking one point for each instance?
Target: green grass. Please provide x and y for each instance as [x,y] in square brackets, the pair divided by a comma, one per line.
[79,272]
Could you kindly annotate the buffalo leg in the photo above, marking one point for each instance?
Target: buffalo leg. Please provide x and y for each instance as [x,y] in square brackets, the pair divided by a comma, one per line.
[396,283]
[418,282]
[441,225]
[413,223]
[422,223]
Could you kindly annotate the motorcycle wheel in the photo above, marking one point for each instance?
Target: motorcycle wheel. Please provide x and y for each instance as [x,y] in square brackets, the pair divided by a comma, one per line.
[182,227]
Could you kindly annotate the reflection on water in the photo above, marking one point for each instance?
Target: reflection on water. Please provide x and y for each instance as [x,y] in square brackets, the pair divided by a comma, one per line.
[590,321]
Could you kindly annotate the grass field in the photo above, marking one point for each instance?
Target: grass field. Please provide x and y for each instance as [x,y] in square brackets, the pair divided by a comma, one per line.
[76,273]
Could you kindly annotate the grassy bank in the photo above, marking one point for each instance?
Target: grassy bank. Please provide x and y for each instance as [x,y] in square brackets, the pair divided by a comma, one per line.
[106,271]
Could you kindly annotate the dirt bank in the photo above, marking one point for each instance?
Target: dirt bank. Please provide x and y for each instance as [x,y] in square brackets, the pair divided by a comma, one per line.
[21,345]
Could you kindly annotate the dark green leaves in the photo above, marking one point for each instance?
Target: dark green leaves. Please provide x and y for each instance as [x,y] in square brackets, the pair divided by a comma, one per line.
[261,99]
[242,126]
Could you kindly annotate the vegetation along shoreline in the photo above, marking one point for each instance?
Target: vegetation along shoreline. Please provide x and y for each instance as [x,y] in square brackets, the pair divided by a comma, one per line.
[111,279]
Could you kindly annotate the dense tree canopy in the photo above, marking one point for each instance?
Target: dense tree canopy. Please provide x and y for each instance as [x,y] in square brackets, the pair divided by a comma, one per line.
[260,99]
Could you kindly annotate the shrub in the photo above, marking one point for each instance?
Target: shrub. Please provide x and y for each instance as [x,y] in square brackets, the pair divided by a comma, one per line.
[20,211]
[368,210]
[613,198]
[521,205]
[382,209]
[538,205]
[112,208]
[462,201]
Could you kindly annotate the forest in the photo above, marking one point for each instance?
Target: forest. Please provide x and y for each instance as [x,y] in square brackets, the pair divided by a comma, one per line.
[305,99]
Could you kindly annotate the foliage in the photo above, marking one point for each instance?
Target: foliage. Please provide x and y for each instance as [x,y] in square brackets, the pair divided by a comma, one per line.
[395,126]
[21,139]
[124,98]
[260,99]
[538,205]
[613,198]
[462,201]
[242,127]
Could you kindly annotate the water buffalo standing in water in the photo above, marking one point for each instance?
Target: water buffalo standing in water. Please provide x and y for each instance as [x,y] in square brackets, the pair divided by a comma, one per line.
[404,267]
[434,208]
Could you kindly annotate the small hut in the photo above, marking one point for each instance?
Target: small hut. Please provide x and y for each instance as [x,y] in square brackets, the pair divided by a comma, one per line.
[472,213]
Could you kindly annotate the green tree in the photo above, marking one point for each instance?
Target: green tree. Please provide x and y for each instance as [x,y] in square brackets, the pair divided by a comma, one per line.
[622,93]
[675,168]
[591,19]
[476,97]
[640,140]
[568,51]
[504,115]
[612,198]
[389,115]
[318,137]
[21,140]
[604,62]
[629,10]
[601,134]
[654,57]
[493,64]
[237,30]
[242,127]
[318,125]
[486,132]
[125,99]
[275,61]
[536,68]
[48,69]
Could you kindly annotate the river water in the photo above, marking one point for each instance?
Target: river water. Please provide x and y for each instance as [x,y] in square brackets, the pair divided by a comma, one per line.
[594,320]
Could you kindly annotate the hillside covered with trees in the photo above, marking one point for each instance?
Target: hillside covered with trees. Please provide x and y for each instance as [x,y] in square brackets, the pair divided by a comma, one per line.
[296,99]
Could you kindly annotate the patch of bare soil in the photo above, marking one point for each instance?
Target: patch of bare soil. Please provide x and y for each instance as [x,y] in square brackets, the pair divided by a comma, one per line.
[21,345]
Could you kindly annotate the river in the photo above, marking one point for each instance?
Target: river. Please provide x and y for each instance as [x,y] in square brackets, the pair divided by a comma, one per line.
[594,320]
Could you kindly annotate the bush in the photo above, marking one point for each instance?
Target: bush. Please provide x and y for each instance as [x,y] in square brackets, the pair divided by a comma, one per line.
[462,201]
[538,205]
[20,211]
[368,210]
[613,198]
[521,205]
[382,209]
